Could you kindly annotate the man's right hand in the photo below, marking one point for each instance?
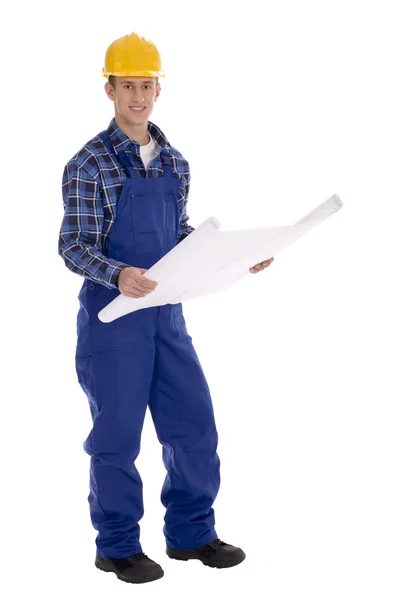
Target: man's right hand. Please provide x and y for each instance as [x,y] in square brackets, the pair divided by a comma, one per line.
[131,282]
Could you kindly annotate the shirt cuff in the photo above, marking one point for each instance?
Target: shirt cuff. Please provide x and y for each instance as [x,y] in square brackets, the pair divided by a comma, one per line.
[115,273]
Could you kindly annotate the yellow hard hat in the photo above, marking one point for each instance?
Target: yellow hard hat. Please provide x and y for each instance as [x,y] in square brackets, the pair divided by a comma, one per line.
[134,56]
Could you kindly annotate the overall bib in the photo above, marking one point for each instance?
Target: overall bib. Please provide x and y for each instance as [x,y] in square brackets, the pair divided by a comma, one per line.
[145,358]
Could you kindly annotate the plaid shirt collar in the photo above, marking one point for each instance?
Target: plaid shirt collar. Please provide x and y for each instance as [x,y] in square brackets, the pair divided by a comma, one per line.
[121,141]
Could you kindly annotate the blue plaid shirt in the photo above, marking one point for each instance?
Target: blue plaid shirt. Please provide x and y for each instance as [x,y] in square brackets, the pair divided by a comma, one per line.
[92,182]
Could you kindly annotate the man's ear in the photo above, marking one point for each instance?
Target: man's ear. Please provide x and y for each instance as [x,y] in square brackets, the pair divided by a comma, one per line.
[109,90]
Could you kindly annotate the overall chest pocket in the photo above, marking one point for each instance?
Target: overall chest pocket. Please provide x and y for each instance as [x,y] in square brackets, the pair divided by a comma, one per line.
[155,212]
[155,222]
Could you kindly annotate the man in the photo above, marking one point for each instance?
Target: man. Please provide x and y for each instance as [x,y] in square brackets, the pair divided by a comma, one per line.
[125,194]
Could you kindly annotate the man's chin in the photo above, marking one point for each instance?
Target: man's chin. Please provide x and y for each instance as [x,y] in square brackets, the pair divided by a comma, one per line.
[133,119]
[138,115]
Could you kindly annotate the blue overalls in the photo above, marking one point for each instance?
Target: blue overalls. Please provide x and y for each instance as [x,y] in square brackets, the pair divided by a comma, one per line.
[145,358]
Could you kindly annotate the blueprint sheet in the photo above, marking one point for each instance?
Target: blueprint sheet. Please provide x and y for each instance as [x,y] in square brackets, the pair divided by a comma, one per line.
[209,260]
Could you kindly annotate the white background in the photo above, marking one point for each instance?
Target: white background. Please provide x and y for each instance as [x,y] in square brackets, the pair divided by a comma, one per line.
[276,106]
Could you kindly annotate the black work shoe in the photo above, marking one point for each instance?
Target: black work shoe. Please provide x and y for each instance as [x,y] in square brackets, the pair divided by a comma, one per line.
[215,554]
[137,568]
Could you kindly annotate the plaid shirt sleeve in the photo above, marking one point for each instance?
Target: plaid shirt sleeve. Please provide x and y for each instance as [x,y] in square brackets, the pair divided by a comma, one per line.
[186,229]
[81,234]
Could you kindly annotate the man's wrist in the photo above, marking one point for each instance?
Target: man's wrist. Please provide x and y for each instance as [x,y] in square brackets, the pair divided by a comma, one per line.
[115,276]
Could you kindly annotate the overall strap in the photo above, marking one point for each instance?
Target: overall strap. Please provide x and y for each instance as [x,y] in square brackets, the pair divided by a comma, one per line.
[120,155]
[166,160]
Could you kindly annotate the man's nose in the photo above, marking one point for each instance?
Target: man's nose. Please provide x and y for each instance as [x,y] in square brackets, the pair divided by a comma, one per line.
[137,98]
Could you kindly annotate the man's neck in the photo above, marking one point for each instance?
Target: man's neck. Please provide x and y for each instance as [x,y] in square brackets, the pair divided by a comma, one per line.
[138,133]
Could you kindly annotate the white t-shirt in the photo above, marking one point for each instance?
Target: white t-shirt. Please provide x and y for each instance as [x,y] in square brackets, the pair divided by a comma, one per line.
[148,152]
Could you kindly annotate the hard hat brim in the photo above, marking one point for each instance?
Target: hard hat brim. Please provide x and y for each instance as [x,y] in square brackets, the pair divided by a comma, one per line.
[135,74]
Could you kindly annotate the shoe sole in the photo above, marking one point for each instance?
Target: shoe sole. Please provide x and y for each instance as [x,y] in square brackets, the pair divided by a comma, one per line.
[129,580]
[182,555]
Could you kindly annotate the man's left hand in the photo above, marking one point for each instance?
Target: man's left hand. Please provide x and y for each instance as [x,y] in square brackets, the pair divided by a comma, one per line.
[261,266]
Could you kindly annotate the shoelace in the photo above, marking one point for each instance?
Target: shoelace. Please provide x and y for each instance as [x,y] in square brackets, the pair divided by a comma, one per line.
[211,548]
[137,556]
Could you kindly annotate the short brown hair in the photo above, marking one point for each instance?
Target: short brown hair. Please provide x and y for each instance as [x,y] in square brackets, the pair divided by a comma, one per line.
[112,80]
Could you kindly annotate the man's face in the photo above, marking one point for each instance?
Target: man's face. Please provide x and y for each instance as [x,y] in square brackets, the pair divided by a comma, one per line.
[131,93]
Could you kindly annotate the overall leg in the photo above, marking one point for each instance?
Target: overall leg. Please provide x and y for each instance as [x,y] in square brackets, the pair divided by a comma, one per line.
[117,383]
[183,416]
